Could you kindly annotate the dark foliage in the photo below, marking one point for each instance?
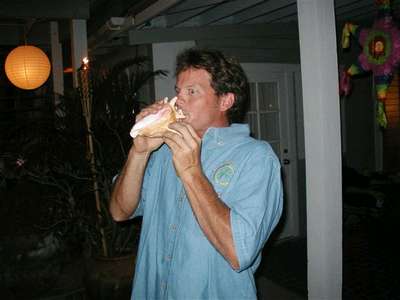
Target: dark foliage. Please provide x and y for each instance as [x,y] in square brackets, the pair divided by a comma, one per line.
[51,151]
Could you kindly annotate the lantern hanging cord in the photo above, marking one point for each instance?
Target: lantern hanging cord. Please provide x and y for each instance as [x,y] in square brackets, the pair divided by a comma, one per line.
[27,28]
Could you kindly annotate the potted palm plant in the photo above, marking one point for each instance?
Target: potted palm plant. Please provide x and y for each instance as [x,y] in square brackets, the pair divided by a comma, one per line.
[76,153]
[110,98]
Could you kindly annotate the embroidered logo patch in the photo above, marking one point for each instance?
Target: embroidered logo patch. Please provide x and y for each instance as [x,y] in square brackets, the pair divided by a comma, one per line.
[224,174]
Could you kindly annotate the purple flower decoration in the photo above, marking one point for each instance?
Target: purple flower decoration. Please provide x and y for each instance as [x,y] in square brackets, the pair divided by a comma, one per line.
[381,47]
[20,162]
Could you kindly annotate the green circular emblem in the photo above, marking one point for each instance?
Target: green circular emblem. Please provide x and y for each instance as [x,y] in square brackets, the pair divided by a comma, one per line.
[224,174]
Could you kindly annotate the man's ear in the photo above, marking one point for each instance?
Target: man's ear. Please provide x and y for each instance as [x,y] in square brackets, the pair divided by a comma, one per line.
[226,101]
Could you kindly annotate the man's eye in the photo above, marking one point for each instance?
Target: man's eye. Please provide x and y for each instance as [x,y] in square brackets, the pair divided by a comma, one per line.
[191,91]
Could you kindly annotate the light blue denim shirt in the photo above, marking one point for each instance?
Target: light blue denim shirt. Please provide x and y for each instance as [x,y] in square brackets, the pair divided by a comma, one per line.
[175,260]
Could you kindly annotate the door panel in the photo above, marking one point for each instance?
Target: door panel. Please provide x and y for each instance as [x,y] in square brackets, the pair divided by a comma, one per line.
[271,117]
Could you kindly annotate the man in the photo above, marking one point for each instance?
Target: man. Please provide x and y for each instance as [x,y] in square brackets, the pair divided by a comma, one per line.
[210,195]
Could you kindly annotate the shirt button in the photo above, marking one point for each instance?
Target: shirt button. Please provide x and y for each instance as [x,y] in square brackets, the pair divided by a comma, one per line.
[163,285]
[167,257]
[173,227]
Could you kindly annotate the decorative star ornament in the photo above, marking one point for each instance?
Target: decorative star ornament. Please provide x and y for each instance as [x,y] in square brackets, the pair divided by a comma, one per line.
[380,54]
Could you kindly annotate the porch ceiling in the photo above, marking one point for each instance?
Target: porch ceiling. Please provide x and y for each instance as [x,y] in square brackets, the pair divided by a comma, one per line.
[223,12]
[17,16]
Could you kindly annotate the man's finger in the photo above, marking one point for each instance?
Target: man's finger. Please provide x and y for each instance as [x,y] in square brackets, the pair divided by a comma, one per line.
[181,128]
[192,132]
[177,138]
[172,144]
[187,133]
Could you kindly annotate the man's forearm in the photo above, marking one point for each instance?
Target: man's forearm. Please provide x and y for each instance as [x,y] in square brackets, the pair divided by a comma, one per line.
[126,192]
[212,214]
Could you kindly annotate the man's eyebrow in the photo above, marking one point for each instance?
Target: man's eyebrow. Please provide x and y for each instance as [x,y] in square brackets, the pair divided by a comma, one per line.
[185,87]
[194,85]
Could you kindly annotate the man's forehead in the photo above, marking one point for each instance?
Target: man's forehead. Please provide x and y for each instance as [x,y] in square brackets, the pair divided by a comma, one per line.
[186,86]
[193,78]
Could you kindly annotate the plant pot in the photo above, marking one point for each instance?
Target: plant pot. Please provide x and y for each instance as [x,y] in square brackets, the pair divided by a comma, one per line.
[110,277]
[32,265]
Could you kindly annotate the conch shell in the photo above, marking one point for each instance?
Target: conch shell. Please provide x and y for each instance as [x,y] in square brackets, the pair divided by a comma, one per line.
[155,125]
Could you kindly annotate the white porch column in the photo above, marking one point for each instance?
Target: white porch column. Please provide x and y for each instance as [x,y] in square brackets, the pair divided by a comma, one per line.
[79,48]
[319,71]
[56,60]
[164,58]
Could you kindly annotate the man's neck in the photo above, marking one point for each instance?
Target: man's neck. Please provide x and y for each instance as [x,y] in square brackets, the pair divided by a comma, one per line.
[202,132]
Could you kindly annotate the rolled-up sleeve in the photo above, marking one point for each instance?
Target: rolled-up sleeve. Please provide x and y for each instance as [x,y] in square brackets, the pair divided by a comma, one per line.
[256,205]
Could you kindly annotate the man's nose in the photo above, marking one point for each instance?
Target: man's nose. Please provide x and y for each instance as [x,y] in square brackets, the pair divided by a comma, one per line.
[180,98]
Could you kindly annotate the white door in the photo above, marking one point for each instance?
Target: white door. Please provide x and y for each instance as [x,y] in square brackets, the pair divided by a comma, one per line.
[272,117]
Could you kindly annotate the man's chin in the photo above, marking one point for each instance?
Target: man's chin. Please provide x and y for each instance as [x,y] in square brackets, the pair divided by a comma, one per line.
[187,119]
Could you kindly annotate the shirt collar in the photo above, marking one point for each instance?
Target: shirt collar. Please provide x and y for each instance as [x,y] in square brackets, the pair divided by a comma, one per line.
[219,136]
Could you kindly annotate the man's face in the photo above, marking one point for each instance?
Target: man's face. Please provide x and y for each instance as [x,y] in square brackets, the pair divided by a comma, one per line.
[198,101]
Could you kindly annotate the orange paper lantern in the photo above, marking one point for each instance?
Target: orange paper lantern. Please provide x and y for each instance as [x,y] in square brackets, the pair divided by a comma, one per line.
[27,67]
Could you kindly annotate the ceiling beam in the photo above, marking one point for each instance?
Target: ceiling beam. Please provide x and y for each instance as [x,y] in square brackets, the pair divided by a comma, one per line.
[220,11]
[17,34]
[148,36]
[291,56]
[188,10]
[188,5]
[261,9]
[109,30]
[278,15]
[115,27]
[259,42]
[10,35]
[153,11]
[49,9]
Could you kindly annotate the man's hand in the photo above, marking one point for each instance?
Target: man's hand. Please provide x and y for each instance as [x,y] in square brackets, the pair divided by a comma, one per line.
[126,191]
[142,144]
[185,146]
[212,214]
